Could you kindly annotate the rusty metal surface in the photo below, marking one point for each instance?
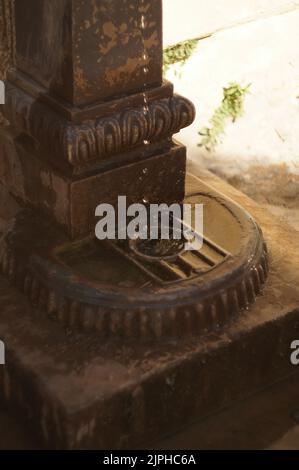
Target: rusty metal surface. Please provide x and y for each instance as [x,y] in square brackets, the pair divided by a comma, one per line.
[6,43]
[79,73]
[79,138]
[91,141]
[71,202]
[81,296]
[72,54]
[79,392]
[6,36]
[78,88]
[87,51]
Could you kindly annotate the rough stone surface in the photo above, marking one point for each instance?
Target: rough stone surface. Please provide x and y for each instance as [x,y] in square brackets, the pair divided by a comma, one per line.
[275,187]
[263,421]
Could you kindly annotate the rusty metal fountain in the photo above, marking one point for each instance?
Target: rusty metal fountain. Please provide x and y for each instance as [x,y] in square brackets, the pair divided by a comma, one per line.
[90,119]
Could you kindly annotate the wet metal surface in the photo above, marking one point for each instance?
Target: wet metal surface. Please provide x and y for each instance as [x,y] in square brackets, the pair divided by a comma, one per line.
[189,294]
[72,145]
[145,382]
[88,51]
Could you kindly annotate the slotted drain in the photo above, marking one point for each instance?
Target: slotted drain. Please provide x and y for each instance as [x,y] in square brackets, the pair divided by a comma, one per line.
[175,267]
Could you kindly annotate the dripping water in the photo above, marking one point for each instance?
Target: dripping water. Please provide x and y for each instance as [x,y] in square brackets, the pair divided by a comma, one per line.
[145,69]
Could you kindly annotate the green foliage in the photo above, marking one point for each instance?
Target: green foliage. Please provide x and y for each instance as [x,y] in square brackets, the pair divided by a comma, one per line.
[178,53]
[232,107]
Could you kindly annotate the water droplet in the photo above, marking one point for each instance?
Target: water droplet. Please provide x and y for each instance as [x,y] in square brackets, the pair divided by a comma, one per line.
[145,57]
[144,171]
[145,200]
[142,21]
[146,142]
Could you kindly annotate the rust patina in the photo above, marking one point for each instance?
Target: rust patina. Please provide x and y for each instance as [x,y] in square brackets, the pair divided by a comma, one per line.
[78,137]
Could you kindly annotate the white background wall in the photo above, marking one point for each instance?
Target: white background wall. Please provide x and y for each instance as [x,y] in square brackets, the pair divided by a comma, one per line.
[263,53]
[184,19]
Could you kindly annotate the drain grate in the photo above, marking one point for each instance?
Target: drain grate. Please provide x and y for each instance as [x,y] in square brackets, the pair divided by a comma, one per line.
[182,266]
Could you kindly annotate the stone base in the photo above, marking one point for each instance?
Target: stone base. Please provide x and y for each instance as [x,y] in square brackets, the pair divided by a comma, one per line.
[82,392]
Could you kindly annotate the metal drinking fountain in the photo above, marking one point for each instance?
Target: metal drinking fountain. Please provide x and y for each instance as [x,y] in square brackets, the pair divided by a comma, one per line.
[91,118]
